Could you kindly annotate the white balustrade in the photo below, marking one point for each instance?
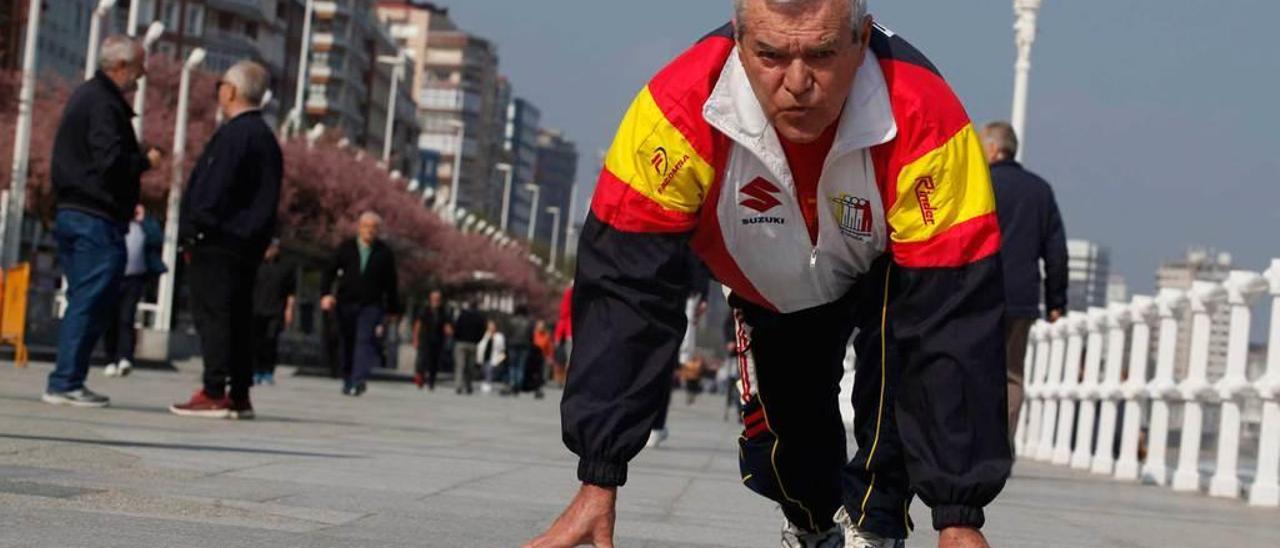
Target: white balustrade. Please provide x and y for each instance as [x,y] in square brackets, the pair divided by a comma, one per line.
[1024,410]
[1049,389]
[1134,388]
[1036,376]
[1266,483]
[1163,388]
[1242,288]
[1074,326]
[1195,389]
[1087,390]
[1109,391]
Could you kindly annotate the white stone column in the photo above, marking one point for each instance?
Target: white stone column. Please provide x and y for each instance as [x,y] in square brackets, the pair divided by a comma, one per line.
[1110,389]
[1074,324]
[1087,390]
[1134,389]
[1163,388]
[1049,389]
[1242,288]
[1034,379]
[1204,297]
[1266,484]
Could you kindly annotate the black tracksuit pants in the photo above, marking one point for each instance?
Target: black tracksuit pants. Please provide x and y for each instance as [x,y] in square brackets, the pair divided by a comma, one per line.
[793,442]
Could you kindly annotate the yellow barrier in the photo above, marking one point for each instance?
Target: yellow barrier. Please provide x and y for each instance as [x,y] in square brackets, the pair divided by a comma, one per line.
[13,311]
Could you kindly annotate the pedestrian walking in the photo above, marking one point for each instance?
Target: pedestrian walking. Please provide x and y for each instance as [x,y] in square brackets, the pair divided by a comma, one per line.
[491,354]
[143,264]
[96,169]
[228,217]
[367,300]
[429,340]
[1031,234]
[468,328]
[521,349]
[273,303]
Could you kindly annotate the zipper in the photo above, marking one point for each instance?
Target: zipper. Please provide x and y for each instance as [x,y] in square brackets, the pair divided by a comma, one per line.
[813,258]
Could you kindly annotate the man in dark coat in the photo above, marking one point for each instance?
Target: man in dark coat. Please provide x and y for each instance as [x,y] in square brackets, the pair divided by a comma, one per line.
[228,219]
[96,171]
[364,269]
[1031,231]
[429,339]
[273,301]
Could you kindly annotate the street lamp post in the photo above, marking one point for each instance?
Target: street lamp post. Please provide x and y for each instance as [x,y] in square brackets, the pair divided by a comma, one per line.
[571,233]
[304,57]
[397,74]
[140,96]
[131,26]
[506,192]
[554,211]
[95,31]
[1024,37]
[533,209]
[454,191]
[17,193]
[164,301]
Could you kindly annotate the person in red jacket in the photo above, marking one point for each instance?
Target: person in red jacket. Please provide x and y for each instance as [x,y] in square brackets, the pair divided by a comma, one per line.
[827,175]
[563,336]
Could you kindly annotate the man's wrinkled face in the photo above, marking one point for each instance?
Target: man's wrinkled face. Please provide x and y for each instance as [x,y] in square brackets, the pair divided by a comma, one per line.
[801,61]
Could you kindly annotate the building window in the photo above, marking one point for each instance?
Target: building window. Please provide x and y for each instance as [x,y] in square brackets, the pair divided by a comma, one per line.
[224,21]
[195,20]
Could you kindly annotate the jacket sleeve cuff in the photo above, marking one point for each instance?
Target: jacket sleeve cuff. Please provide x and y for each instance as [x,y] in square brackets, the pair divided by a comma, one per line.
[602,473]
[958,516]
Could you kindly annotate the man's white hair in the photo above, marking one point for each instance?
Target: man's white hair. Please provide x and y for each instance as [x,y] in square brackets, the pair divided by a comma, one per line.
[857,11]
[371,216]
[250,80]
[117,50]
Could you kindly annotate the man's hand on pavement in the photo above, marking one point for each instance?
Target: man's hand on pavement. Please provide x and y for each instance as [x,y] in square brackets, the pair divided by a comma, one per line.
[588,520]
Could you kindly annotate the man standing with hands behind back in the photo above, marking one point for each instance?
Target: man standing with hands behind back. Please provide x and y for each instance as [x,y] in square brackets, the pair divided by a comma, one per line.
[97,166]
[228,219]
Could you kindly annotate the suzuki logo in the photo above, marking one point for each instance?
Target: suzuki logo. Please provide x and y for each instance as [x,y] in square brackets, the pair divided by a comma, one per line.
[760,195]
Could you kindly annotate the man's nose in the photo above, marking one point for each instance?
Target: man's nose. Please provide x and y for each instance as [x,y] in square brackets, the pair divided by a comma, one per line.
[799,79]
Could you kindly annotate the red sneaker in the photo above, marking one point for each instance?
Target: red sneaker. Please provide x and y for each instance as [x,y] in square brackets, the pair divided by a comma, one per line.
[419,380]
[240,410]
[201,405]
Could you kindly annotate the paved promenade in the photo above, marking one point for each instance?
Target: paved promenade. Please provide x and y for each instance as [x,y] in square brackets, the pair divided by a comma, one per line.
[399,467]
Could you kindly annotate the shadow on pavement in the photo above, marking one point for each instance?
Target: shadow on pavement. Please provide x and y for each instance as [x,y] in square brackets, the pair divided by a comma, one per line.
[179,446]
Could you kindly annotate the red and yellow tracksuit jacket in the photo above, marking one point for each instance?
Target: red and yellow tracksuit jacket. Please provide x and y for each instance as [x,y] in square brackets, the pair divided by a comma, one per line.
[905,194]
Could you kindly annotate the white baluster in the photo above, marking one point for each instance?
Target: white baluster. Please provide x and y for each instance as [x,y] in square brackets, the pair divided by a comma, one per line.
[1035,379]
[1163,389]
[1074,324]
[1109,391]
[1135,387]
[1266,483]
[1204,296]
[1028,388]
[1049,389]
[1242,288]
[1087,390]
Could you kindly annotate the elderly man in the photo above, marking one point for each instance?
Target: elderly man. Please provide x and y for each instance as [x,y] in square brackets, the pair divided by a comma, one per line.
[828,176]
[364,269]
[1031,231]
[97,163]
[228,219]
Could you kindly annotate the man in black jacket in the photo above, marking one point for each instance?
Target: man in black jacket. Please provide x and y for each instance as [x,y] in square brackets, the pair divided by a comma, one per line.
[428,338]
[364,269]
[1032,231]
[228,219]
[468,329]
[97,163]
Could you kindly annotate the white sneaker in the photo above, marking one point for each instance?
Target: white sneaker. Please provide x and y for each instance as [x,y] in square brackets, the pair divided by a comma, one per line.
[486,388]
[860,538]
[793,537]
[656,437]
[124,368]
[111,370]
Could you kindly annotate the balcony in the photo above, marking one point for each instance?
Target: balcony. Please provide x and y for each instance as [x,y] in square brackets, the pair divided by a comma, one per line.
[322,41]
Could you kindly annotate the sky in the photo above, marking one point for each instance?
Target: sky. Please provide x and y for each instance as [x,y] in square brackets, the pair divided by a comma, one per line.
[1157,121]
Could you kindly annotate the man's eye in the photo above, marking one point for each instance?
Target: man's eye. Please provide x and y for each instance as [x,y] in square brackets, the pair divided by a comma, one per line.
[770,55]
